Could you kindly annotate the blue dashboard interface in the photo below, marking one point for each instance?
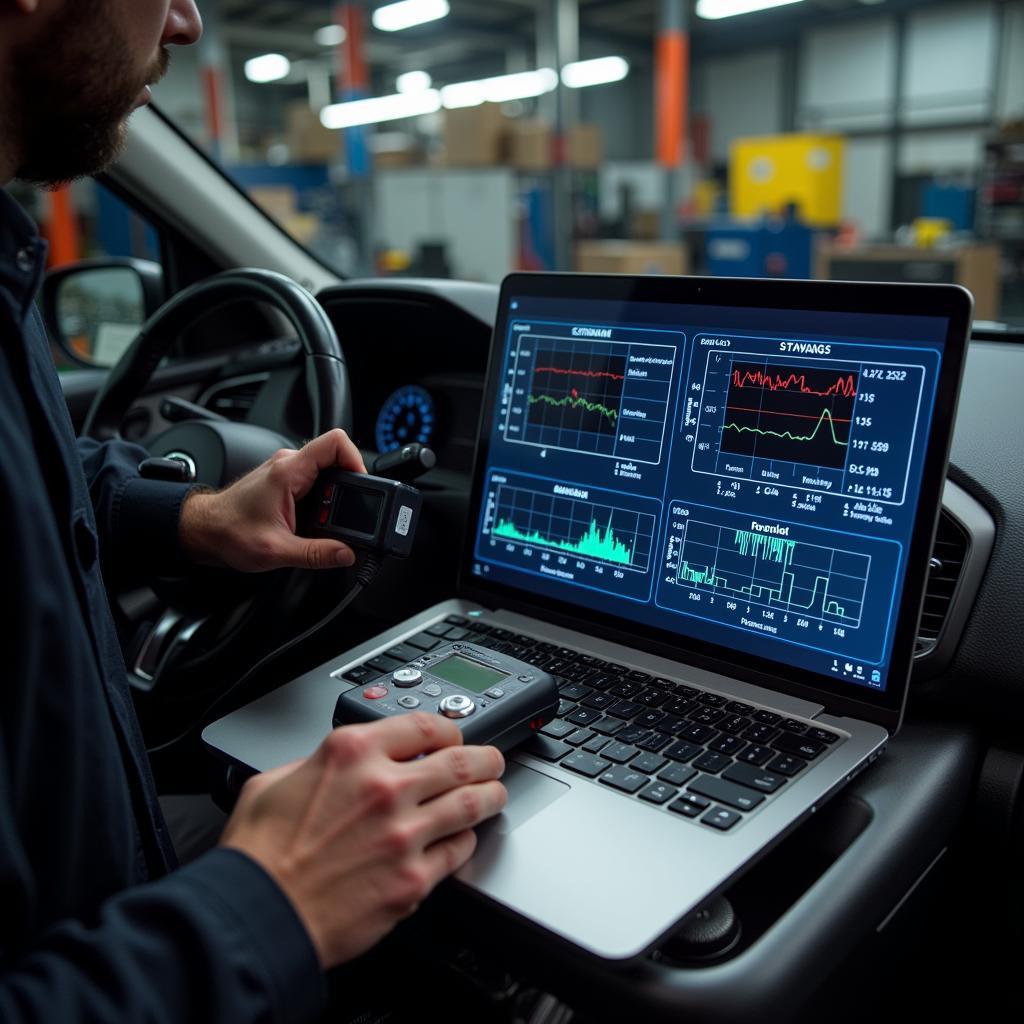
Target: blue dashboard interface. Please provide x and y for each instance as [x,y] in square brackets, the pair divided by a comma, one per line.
[745,477]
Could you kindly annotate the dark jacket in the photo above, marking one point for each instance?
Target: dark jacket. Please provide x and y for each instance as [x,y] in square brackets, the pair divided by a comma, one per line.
[94,922]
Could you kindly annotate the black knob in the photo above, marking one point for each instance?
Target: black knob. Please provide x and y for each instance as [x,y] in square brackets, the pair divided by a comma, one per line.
[707,934]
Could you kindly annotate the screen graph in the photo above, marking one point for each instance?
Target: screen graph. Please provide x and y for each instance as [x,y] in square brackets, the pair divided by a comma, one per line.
[789,413]
[779,579]
[833,421]
[590,390]
[598,538]
[775,572]
[574,394]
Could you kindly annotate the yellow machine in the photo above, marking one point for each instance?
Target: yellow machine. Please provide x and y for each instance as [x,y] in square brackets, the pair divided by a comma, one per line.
[770,172]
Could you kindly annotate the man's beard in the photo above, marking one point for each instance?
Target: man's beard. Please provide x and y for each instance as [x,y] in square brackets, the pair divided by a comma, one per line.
[72,91]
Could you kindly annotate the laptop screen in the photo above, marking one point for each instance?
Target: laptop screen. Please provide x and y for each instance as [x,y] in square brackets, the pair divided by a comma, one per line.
[743,478]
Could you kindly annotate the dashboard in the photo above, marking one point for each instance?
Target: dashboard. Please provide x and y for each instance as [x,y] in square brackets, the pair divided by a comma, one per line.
[416,362]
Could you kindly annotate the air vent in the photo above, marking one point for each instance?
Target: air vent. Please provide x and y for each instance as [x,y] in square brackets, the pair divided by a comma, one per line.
[947,563]
[234,398]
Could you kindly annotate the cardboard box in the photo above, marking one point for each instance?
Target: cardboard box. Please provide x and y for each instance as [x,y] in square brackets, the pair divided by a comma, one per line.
[302,226]
[529,145]
[389,159]
[308,141]
[474,136]
[585,147]
[769,172]
[626,257]
[280,201]
[645,225]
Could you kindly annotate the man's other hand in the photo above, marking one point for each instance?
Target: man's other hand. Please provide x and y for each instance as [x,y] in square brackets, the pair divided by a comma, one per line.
[360,832]
[251,524]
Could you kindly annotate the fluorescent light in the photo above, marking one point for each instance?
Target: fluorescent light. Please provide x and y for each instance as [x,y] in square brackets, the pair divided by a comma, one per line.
[463,94]
[406,13]
[520,86]
[500,89]
[729,8]
[413,81]
[270,67]
[380,108]
[594,72]
[330,35]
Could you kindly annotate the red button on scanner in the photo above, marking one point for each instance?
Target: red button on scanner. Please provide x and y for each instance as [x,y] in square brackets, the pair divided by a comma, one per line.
[322,518]
[375,692]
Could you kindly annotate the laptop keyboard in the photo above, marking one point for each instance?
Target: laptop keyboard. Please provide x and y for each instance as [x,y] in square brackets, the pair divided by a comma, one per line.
[697,754]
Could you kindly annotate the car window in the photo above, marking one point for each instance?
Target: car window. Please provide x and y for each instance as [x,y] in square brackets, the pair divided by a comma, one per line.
[102,310]
[856,139]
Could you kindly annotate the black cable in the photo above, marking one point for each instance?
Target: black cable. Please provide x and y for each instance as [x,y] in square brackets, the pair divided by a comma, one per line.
[365,574]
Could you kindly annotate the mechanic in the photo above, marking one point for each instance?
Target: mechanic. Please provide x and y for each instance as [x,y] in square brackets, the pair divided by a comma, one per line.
[321,858]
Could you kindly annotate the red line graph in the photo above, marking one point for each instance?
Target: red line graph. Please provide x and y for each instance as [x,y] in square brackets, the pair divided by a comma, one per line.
[788,415]
[845,386]
[579,373]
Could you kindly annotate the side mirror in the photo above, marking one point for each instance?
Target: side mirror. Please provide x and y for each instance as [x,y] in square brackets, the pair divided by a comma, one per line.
[94,308]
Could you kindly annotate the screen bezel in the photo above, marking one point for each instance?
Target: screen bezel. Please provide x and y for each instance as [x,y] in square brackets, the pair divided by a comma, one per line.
[949,301]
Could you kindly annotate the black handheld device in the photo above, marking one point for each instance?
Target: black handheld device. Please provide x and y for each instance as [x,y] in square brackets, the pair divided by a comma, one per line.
[493,698]
[367,512]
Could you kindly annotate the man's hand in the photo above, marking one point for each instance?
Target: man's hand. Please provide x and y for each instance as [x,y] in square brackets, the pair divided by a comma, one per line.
[251,524]
[359,833]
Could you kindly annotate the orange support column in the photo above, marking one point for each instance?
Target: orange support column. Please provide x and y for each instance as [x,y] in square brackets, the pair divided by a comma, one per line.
[62,228]
[672,75]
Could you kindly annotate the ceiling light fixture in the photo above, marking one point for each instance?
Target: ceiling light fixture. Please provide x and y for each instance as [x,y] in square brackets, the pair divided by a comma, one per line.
[714,9]
[519,86]
[406,13]
[413,81]
[270,67]
[380,108]
[582,73]
[329,35]
[463,94]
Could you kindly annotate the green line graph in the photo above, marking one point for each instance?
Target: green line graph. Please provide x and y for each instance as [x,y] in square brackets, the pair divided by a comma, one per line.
[545,526]
[595,543]
[787,435]
[738,567]
[574,400]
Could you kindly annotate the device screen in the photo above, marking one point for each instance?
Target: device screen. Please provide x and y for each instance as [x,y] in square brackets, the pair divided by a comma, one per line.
[745,477]
[358,510]
[468,674]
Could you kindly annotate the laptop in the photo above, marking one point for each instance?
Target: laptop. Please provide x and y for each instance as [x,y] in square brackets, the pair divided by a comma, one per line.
[707,507]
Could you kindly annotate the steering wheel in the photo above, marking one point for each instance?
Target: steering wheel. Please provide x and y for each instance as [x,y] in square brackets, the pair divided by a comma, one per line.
[223,450]
[201,620]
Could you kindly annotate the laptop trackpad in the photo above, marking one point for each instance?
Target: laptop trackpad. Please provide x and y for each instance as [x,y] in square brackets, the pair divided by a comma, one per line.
[529,792]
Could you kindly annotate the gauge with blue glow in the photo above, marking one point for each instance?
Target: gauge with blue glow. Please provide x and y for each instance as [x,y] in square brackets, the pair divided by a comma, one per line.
[408,415]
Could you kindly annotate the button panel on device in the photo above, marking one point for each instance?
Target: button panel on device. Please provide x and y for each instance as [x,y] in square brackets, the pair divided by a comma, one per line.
[456,705]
